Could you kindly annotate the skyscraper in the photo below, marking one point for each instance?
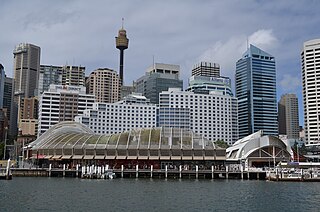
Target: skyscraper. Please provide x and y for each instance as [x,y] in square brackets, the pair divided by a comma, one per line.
[206,69]
[159,77]
[288,116]
[2,79]
[73,75]
[48,75]
[122,43]
[103,83]
[256,92]
[310,64]
[26,67]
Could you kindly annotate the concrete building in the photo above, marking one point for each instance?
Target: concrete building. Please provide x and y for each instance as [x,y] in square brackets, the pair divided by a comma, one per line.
[158,78]
[62,103]
[73,75]
[28,119]
[204,85]
[8,103]
[206,69]
[212,115]
[103,83]
[256,92]
[134,112]
[2,79]
[288,116]
[48,75]
[310,65]
[26,68]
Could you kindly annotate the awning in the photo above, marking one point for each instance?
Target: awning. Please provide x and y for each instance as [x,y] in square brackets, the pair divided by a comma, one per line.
[175,157]
[121,157]
[220,157]
[186,157]
[88,157]
[132,157]
[99,157]
[153,157]
[208,158]
[143,157]
[66,156]
[197,157]
[48,156]
[164,157]
[56,157]
[77,157]
[110,157]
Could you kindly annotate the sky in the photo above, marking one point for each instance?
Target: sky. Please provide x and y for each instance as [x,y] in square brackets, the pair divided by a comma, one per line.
[181,32]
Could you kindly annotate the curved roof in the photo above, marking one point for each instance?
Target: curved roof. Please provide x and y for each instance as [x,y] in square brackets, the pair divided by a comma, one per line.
[247,145]
[72,135]
[64,127]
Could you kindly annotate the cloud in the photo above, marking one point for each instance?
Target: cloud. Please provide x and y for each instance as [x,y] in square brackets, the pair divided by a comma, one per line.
[290,83]
[228,52]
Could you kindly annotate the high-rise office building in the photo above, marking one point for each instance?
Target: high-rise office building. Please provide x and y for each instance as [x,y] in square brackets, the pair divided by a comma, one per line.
[48,75]
[103,83]
[310,62]
[26,68]
[159,77]
[62,103]
[73,75]
[288,116]
[2,79]
[206,69]
[9,106]
[256,92]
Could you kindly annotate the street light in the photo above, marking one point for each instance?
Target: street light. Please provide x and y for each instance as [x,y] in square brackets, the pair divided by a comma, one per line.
[5,143]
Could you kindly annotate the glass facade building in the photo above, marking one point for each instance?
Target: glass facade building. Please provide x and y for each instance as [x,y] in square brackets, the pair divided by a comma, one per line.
[256,92]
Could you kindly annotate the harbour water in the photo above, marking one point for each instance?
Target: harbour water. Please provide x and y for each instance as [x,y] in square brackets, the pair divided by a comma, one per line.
[71,194]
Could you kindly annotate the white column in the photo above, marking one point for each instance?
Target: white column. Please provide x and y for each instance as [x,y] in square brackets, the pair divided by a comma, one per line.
[212,172]
[122,171]
[137,171]
[197,170]
[166,171]
[151,170]
[180,171]
[64,170]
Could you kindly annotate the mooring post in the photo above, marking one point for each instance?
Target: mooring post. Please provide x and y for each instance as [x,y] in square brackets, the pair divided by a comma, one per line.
[227,172]
[151,170]
[241,169]
[64,170]
[212,172]
[166,174]
[137,171]
[50,167]
[180,171]
[77,169]
[122,171]
[197,170]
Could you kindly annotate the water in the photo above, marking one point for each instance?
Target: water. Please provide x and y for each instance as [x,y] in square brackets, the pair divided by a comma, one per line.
[70,194]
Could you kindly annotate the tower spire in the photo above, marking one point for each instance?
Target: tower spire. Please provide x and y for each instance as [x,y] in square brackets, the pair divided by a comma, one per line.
[122,23]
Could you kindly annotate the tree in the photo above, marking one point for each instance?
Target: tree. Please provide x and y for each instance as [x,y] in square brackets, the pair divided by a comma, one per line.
[222,144]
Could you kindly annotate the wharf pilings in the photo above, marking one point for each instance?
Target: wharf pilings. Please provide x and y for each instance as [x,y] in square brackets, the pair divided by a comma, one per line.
[144,173]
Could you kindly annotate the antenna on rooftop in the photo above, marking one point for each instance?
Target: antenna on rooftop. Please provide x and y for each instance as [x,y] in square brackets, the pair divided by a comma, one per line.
[122,23]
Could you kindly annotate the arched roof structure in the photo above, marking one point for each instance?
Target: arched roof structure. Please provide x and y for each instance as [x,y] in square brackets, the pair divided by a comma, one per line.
[71,140]
[259,146]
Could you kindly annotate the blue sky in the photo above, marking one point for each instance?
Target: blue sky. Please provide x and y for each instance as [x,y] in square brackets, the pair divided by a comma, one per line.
[178,32]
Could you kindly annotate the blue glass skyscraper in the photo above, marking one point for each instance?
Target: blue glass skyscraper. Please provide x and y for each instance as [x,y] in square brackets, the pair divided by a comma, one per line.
[256,92]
